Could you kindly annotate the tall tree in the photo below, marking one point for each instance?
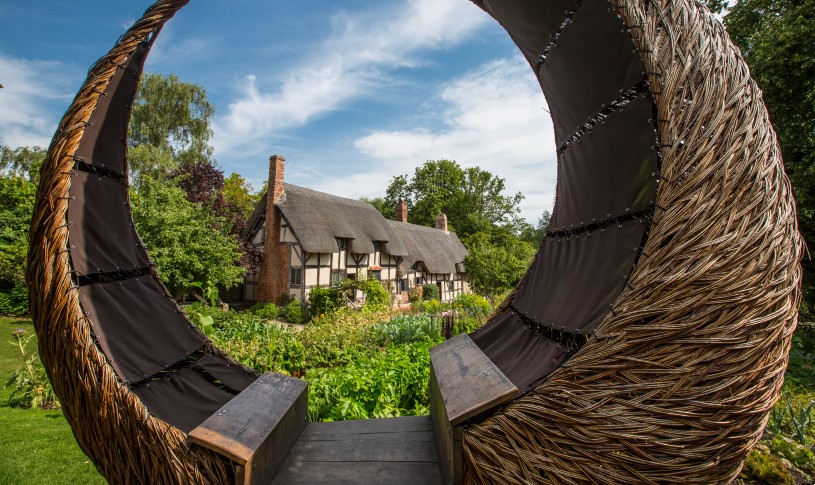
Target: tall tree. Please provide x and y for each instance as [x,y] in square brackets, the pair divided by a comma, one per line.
[777,39]
[21,162]
[170,124]
[496,263]
[185,240]
[471,197]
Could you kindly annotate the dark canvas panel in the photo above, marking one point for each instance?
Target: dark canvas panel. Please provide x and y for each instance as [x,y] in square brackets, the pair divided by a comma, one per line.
[231,376]
[524,356]
[184,399]
[101,233]
[138,328]
[593,60]
[573,281]
[611,169]
[530,23]
[104,141]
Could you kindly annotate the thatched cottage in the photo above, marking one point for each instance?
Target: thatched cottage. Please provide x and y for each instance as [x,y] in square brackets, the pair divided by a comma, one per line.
[311,239]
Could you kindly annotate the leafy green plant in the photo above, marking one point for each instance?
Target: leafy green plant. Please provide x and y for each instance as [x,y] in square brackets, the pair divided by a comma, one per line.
[430,292]
[269,311]
[800,420]
[31,387]
[392,382]
[472,304]
[294,312]
[376,296]
[325,300]
[797,454]
[406,328]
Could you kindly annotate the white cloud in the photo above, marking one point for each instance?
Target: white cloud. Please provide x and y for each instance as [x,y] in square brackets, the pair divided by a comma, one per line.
[32,90]
[495,119]
[348,65]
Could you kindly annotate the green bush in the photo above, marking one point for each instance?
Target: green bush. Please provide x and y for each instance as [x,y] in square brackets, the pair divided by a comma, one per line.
[322,301]
[376,296]
[30,384]
[765,468]
[294,312]
[269,311]
[473,304]
[14,302]
[430,292]
[431,306]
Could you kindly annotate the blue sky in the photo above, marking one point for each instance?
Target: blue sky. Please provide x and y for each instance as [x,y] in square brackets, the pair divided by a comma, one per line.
[350,93]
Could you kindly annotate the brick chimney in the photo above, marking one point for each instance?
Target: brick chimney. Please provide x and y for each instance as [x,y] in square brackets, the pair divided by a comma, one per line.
[441,222]
[276,169]
[401,211]
[274,270]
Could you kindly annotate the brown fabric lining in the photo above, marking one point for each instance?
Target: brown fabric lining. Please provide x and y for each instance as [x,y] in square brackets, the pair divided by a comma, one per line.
[593,60]
[232,377]
[522,355]
[532,22]
[102,238]
[138,328]
[187,391]
[105,139]
[610,171]
[573,281]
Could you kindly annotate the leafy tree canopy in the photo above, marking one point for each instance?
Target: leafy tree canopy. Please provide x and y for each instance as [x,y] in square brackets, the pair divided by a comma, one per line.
[21,162]
[471,198]
[777,39]
[170,124]
[184,239]
[496,263]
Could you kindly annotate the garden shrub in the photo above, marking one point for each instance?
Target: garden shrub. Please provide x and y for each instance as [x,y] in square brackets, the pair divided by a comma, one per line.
[14,302]
[473,304]
[376,296]
[430,292]
[322,301]
[431,306]
[294,312]
[268,311]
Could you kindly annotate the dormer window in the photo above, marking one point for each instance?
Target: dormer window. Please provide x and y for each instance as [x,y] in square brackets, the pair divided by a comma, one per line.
[342,244]
[377,245]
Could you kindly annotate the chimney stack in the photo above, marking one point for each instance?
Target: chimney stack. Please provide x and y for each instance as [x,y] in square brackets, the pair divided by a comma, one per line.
[274,269]
[275,185]
[401,211]
[441,222]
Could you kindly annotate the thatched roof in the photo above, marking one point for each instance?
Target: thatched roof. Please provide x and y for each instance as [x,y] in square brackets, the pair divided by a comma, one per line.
[318,219]
[439,251]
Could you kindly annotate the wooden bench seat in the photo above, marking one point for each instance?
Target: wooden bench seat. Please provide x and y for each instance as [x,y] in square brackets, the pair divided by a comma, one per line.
[258,427]
[463,384]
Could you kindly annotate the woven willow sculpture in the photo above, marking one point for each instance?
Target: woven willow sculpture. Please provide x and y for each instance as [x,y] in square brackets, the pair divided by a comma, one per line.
[677,375]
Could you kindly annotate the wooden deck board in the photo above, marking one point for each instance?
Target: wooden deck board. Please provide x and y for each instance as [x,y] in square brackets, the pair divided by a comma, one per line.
[389,451]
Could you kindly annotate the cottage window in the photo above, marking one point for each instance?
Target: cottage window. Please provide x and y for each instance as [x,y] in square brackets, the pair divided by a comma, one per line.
[296,276]
[342,244]
[336,277]
[377,275]
[377,245]
[404,285]
[419,280]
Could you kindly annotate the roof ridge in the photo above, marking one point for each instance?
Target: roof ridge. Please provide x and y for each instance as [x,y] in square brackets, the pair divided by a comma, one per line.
[327,196]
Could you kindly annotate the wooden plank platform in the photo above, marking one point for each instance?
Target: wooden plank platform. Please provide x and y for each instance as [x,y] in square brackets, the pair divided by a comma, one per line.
[389,451]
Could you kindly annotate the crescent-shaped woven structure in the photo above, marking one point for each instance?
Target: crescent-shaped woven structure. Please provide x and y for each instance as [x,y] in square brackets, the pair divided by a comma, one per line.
[673,381]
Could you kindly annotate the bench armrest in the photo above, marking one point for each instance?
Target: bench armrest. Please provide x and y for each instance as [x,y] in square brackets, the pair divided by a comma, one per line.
[258,427]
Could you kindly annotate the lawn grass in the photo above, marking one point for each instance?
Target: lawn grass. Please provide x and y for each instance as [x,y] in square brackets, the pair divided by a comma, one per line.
[38,446]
